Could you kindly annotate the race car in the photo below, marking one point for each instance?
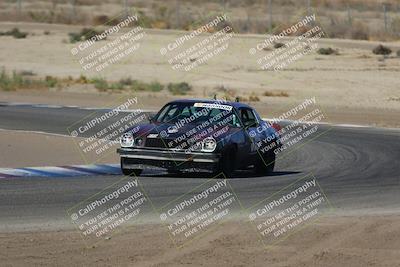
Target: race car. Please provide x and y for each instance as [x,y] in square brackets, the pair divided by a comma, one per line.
[201,135]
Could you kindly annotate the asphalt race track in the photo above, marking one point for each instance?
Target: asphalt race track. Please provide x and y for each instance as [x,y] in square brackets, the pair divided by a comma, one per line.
[358,169]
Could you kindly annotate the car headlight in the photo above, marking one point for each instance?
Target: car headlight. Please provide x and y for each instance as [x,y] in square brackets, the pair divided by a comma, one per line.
[127,140]
[139,141]
[209,144]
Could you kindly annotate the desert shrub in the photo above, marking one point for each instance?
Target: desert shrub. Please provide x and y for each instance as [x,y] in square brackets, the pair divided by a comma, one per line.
[254,98]
[138,86]
[27,73]
[143,20]
[5,81]
[126,81]
[179,88]
[51,81]
[82,79]
[74,37]
[394,98]
[276,94]
[10,82]
[228,93]
[224,25]
[15,80]
[156,87]
[382,50]
[141,86]
[88,33]
[239,99]
[100,84]
[116,86]
[327,51]
[279,45]
[15,33]
[83,35]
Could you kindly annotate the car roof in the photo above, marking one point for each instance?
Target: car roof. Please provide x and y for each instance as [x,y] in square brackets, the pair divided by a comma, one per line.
[219,101]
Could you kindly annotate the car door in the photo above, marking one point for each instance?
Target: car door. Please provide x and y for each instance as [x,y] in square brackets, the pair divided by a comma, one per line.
[249,123]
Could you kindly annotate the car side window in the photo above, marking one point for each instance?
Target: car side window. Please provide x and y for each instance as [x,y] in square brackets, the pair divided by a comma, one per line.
[247,117]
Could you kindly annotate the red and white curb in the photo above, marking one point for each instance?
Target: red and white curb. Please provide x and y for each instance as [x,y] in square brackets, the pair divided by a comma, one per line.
[62,171]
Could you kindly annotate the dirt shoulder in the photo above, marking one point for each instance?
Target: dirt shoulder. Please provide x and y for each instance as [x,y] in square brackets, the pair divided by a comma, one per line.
[331,241]
[355,86]
[26,149]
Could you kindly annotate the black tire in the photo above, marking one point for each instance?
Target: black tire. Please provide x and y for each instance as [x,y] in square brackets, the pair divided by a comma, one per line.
[130,172]
[265,165]
[177,172]
[227,164]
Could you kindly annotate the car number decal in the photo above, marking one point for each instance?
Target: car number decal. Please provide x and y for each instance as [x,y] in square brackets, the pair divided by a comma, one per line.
[209,105]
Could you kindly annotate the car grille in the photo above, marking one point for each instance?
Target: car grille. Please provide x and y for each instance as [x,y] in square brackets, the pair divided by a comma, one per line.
[157,142]
[163,144]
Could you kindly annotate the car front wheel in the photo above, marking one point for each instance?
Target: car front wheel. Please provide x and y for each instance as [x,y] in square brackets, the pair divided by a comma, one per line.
[266,164]
[130,172]
[228,163]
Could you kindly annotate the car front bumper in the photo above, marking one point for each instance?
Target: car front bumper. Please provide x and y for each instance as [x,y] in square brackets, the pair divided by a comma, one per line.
[142,158]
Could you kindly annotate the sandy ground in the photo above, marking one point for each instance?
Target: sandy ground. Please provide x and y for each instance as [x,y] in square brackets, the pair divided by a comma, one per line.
[44,150]
[355,87]
[331,241]
[352,82]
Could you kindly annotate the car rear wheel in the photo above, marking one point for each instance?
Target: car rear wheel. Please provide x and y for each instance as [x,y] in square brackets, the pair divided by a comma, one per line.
[265,165]
[130,172]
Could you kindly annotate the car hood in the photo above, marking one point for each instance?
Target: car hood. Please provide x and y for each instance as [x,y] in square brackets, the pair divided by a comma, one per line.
[170,131]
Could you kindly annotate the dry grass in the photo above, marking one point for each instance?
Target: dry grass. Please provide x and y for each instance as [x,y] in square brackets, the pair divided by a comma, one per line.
[276,94]
[11,81]
[24,80]
[254,98]
[245,16]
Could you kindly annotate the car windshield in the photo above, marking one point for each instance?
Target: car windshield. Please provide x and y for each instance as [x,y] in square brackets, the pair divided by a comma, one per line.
[196,112]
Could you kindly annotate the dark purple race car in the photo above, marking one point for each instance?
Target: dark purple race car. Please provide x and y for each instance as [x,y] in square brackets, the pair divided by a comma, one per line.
[201,135]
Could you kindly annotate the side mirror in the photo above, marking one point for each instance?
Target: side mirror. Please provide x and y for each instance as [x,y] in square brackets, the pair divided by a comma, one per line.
[152,117]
